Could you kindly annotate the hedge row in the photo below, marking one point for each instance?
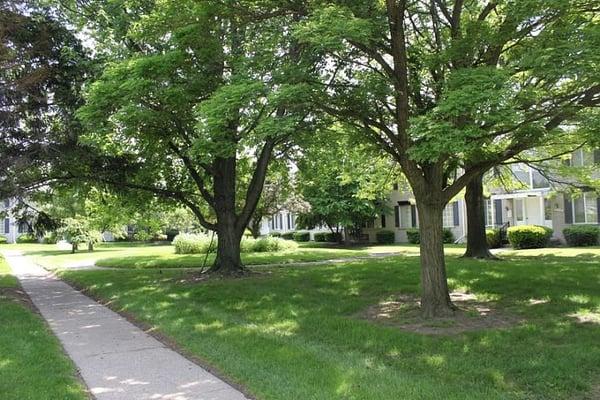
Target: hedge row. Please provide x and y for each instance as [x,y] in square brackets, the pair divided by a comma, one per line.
[327,237]
[414,236]
[494,238]
[189,243]
[529,236]
[582,235]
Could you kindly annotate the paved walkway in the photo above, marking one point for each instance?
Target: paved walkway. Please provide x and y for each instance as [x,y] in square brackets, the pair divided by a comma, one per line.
[117,360]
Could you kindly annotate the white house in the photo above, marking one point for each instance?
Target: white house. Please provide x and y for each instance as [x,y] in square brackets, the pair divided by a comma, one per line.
[9,227]
[537,203]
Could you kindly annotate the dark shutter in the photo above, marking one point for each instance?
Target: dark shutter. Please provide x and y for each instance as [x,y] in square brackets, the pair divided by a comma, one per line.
[598,209]
[498,211]
[280,221]
[597,156]
[413,215]
[383,220]
[455,213]
[568,209]
[289,221]
[397,216]
[6,225]
[395,186]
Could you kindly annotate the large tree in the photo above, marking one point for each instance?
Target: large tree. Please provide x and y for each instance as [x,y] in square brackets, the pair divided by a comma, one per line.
[194,104]
[451,88]
[42,68]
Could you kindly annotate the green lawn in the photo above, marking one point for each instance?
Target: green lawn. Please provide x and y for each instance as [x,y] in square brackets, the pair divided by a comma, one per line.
[294,333]
[32,363]
[131,255]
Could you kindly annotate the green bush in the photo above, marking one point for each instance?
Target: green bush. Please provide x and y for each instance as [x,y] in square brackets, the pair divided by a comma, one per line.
[3,239]
[142,236]
[159,237]
[447,235]
[288,235]
[194,243]
[332,237]
[414,235]
[301,236]
[50,238]
[267,244]
[494,238]
[276,234]
[187,243]
[385,237]
[171,233]
[529,236]
[320,237]
[27,238]
[582,235]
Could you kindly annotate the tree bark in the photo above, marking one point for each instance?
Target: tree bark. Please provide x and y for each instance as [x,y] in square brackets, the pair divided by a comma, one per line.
[254,227]
[435,298]
[477,246]
[228,260]
[90,246]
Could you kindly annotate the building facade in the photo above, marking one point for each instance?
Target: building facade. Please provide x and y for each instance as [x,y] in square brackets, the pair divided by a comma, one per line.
[536,203]
[9,227]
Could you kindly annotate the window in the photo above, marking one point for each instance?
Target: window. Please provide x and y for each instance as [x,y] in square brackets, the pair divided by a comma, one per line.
[519,209]
[585,209]
[547,209]
[487,206]
[538,180]
[582,158]
[5,226]
[449,215]
[383,220]
[521,173]
[405,217]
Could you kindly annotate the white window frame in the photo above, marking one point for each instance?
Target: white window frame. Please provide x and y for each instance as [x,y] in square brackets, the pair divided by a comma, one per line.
[585,200]
[448,215]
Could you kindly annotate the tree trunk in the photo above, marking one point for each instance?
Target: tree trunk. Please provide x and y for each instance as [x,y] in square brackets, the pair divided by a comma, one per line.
[90,246]
[435,298]
[254,227]
[477,246]
[73,248]
[229,235]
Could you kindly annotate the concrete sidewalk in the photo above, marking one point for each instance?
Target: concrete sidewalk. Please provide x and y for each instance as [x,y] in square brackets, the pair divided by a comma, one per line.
[117,360]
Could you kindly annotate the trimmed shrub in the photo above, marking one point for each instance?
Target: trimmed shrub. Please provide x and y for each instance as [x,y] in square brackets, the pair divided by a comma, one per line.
[142,236]
[447,235]
[385,237]
[301,236]
[414,236]
[276,234]
[288,235]
[529,236]
[50,238]
[159,237]
[267,244]
[27,238]
[582,235]
[3,239]
[320,237]
[332,237]
[194,243]
[494,238]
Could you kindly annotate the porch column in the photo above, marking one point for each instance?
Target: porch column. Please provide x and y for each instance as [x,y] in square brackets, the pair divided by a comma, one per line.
[542,211]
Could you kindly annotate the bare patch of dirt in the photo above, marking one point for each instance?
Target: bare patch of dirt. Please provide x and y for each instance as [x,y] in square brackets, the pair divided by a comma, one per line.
[19,296]
[200,277]
[403,311]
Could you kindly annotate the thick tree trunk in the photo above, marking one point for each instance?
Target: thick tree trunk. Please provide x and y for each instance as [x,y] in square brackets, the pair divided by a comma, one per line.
[435,298]
[228,260]
[477,246]
[90,246]
[73,248]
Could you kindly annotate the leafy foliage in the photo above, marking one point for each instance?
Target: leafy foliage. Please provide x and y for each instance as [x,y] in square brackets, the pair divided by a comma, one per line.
[582,235]
[529,236]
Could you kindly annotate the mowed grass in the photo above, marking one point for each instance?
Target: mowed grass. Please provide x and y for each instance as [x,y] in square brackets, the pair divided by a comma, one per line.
[32,363]
[117,255]
[294,333]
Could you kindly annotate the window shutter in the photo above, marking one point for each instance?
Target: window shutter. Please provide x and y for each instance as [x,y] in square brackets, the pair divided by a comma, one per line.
[280,221]
[568,209]
[498,211]
[289,221]
[6,225]
[383,220]
[397,216]
[455,213]
[597,156]
[598,209]
[413,215]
